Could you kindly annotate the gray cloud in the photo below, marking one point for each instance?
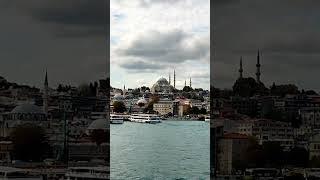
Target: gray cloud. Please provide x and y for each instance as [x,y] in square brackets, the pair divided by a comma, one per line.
[170,47]
[141,66]
[287,33]
[35,35]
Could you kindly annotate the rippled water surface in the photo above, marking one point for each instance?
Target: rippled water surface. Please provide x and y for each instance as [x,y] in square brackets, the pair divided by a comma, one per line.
[168,150]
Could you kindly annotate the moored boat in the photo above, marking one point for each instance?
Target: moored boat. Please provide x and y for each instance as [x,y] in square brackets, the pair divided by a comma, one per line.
[145,118]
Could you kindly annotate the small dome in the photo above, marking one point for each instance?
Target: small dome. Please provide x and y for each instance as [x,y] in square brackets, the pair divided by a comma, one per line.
[98,124]
[118,97]
[142,101]
[27,109]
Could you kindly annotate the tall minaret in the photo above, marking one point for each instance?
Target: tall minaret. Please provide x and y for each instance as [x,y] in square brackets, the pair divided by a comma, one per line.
[258,67]
[185,83]
[241,69]
[190,82]
[45,94]
[174,78]
[169,79]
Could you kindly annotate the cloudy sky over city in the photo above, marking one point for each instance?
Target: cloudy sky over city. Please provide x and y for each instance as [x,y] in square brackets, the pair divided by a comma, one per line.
[150,38]
[287,33]
[66,37]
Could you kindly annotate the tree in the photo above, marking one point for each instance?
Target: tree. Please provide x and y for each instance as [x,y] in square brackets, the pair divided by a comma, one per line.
[282,90]
[203,111]
[85,90]
[29,143]
[119,107]
[98,136]
[194,110]
[298,157]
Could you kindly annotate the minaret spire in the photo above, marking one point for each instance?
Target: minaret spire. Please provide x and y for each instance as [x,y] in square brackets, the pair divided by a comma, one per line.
[45,94]
[185,83]
[169,79]
[241,69]
[190,82]
[174,78]
[258,73]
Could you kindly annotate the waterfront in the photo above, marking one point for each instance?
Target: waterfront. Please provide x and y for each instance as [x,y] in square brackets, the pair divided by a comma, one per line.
[168,150]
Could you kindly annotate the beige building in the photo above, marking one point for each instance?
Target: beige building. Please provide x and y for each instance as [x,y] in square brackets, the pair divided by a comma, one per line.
[268,130]
[231,150]
[164,107]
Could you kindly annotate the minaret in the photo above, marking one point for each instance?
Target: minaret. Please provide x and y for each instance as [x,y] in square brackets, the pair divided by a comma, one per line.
[185,83]
[169,79]
[45,94]
[258,73]
[241,69]
[174,78]
[190,82]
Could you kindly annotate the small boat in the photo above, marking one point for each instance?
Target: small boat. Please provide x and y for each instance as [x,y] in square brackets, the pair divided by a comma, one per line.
[207,118]
[116,119]
[145,118]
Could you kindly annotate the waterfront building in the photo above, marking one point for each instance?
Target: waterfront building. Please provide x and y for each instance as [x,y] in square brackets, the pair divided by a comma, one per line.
[314,146]
[268,130]
[231,150]
[310,116]
[166,106]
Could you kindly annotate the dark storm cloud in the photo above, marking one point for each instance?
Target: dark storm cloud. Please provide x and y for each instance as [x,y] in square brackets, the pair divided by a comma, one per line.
[170,47]
[286,32]
[35,35]
[71,17]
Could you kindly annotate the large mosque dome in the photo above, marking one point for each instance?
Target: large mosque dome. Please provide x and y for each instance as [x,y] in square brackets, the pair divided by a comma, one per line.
[27,109]
[162,85]
[98,124]
[118,97]
[27,112]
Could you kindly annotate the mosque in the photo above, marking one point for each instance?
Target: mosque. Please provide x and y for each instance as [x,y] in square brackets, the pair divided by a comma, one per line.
[164,86]
[26,113]
[258,72]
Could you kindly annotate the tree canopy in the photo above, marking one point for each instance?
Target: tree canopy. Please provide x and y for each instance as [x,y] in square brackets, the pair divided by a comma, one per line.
[29,143]
[119,107]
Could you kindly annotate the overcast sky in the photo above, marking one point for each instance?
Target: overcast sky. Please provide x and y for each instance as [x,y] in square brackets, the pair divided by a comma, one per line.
[66,37]
[287,33]
[150,38]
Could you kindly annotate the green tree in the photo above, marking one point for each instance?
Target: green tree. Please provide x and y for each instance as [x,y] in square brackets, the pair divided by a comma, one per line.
[203,111]
[98,136]
[29,143]
[284,89]
[119,107]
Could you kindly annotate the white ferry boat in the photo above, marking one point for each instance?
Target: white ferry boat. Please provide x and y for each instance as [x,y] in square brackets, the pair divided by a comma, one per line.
[116,119]
[93,173]
[207,118]
[145,118]
[11,173]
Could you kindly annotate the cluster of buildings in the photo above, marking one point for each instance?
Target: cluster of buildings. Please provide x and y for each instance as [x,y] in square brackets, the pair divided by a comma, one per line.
[292,121]
[67,118]
[170,101]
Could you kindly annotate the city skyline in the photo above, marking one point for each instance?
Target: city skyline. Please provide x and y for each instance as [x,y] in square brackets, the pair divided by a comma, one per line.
[149,39]
[286,32]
